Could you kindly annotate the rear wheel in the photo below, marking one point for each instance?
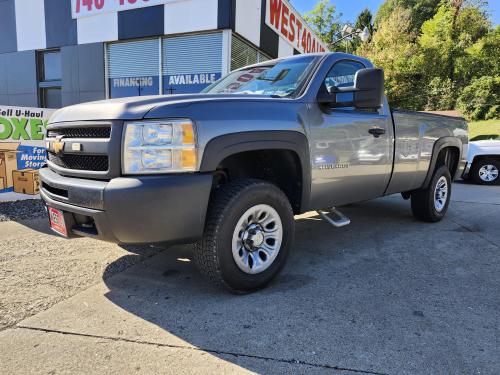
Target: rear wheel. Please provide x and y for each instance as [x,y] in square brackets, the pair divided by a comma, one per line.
[248,234]
[431,203]
[486,172]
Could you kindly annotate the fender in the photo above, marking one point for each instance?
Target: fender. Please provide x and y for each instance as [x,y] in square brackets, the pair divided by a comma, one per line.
[224,146]
[440,144]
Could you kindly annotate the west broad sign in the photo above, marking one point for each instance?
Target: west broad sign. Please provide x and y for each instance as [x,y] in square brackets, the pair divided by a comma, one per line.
[87,8]
[22,150]
[289,24]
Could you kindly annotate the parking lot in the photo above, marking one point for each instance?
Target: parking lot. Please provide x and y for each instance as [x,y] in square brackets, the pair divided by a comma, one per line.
[386,294]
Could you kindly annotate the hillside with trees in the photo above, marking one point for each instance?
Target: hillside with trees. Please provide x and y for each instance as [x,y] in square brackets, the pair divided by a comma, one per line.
[437,55]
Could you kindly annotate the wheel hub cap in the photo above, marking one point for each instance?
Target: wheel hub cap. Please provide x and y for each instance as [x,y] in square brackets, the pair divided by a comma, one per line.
[441,194]
[257,239]
[488,173]
[253,237]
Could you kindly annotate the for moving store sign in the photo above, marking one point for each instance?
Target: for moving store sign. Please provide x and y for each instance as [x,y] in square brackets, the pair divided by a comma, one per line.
[86,8]
[282,18]
[22,150]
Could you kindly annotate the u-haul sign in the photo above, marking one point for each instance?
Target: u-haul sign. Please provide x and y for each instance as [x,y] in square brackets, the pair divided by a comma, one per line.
[287,22]
[86,8]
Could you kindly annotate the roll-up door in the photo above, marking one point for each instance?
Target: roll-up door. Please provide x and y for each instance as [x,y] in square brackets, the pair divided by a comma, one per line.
[133,68]
[191,63]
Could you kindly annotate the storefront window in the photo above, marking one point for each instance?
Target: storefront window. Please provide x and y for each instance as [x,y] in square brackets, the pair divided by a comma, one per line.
[191,63]
[244,54]
[186,64]
[49,78]
[133,68]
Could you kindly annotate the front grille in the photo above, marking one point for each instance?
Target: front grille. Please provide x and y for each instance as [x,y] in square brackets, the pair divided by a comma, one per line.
[95,132]
[96,163]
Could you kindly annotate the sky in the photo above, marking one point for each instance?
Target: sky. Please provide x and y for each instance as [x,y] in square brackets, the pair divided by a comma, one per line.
[351,8]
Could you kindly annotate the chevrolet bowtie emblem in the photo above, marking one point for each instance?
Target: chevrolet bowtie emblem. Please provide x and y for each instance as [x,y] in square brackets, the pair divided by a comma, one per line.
[58,146]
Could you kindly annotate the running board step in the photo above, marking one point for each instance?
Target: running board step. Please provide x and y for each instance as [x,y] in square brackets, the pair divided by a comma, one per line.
[340,219]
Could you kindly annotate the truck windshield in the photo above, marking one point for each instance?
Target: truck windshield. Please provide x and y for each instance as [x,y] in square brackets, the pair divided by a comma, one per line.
[281,79]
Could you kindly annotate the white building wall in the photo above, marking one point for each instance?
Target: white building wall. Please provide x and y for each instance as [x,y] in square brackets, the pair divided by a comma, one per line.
[285,48]
[248,20]
[30,25]
[99,28]
[189,16]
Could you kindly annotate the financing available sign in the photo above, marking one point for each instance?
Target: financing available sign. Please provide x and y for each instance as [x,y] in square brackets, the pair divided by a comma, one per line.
[22,150]
[289,24]
[86,8]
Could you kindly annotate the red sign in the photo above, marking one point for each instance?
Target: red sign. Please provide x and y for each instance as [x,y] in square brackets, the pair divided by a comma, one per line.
[288,23]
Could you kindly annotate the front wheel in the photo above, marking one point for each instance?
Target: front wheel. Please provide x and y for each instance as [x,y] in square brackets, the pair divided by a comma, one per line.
[248,234]
[431,203]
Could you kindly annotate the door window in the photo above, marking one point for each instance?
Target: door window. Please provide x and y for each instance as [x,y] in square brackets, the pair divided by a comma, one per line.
[342,75]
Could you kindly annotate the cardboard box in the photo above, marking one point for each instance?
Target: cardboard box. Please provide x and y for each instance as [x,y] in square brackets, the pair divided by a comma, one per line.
[8,162]
[26,181]
[2,183]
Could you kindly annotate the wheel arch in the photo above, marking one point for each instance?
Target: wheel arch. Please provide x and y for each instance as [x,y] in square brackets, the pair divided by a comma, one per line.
[220,148]
[440,146]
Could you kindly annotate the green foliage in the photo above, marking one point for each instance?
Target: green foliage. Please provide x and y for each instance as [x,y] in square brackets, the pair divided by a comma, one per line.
[325,21]
[481,99]
[364,19]
[446,37]
[482,58]
[447,48]
[436,54]
[420,11]
[441,95]
[393,48]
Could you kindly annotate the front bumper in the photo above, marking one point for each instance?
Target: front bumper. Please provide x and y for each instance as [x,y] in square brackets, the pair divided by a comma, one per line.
[131,210]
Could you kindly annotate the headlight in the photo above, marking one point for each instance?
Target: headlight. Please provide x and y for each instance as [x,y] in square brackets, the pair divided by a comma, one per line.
[163,146]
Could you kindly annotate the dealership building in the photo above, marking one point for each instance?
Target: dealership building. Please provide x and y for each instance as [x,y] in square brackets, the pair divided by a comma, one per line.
[55,53]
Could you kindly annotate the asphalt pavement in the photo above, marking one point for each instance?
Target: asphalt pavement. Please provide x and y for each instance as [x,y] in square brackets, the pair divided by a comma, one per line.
[385,295]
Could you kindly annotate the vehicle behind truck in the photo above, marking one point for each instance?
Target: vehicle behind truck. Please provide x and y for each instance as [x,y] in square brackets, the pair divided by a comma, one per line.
[227,169]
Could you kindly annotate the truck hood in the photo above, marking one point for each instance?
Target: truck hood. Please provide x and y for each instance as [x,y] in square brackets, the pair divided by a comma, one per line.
[136,108]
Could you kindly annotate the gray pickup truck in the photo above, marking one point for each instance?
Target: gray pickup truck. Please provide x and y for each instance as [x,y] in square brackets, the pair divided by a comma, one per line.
[228,168]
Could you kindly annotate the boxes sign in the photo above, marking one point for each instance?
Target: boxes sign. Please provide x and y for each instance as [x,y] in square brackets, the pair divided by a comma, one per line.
[26,181]
[8,162]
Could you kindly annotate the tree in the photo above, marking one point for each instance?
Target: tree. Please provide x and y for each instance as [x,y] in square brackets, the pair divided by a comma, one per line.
[325,21]
[446,37]
[394,49]
[420,11]
[481,58]
[481,99]
[364,19]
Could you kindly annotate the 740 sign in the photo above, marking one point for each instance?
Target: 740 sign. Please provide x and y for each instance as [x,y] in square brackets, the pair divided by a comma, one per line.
[85,8]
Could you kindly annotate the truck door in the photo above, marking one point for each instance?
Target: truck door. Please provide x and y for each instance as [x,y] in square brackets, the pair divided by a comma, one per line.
[351,150]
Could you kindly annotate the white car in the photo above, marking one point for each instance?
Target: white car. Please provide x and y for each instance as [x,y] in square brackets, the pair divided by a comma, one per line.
[483,161]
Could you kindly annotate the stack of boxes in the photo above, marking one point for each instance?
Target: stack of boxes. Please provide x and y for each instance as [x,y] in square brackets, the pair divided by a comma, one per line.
[23,181]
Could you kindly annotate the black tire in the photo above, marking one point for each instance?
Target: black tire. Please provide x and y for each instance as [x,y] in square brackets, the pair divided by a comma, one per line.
[213,253]
[423,200]
[476,168]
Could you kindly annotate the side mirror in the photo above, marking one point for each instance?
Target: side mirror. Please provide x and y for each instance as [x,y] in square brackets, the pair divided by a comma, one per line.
[367,92]
[369,88]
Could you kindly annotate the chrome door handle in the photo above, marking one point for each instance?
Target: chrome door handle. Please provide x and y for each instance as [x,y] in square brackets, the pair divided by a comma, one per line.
[376,132]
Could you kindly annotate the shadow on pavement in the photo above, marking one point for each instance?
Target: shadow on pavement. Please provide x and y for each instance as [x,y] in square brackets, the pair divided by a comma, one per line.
[385,294]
